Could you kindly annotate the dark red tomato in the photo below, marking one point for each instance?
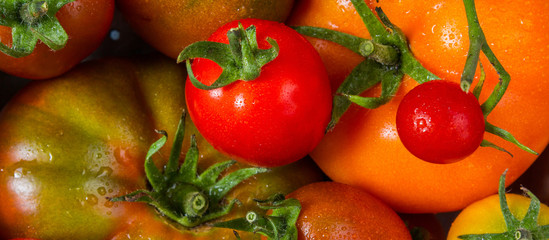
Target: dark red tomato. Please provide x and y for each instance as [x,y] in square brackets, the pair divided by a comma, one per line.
[440,123]
[273,120]
[337,211]
[86,23]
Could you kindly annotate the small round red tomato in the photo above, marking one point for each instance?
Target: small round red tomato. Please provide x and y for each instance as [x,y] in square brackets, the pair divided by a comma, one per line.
[440,123]
[86,22]
[275,119]
[331,210]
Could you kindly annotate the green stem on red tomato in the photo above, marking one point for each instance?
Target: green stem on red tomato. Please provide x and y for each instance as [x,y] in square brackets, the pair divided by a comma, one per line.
[30,21]
[182,195]
[526,228]
[477,44]
[241,59]
[32,11]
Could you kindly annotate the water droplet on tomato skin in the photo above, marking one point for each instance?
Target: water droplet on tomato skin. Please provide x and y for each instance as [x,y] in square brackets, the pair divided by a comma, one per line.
[102,191]
[91,199]
[104,172]
[108,204]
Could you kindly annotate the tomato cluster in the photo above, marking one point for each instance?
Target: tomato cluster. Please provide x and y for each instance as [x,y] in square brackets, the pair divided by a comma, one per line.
[192,118]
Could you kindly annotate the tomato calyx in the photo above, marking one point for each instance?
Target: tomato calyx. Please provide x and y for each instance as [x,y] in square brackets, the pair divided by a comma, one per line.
[241,59]
[280,224]
[182,195]
[388,58]
[525,229]
[30,21]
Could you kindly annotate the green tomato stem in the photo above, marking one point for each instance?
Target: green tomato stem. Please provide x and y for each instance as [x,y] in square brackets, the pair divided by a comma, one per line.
[279,225]
[183,195]
[30,21]
[524,229]
[32,11]
[241,59]
[478,43]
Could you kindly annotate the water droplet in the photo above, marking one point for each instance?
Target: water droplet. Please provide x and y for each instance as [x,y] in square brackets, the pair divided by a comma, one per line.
[104,172]
[102,191]
[18,173]
[108,204]
[92,199]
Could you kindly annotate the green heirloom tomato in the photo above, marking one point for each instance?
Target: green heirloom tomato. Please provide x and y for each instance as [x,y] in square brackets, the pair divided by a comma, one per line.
[69,144]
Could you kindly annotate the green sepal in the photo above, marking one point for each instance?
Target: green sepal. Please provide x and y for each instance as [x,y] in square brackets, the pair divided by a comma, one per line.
[486,143]
[389,86]
[526,228]
[364,76]
[179,193]
[30,21]
[241,59]
[279,225]
[507,136]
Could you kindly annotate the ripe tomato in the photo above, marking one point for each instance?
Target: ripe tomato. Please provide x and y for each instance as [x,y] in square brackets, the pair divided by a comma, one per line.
[86,23]
[171,25]
[331,210]
[440,123]
[273,120]
[70,142]
[364,149]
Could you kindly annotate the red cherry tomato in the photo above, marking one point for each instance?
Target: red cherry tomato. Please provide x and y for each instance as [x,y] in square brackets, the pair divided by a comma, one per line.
[274,119]
[440,123]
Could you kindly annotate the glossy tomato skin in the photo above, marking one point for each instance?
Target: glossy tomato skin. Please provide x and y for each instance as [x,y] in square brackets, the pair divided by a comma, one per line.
[273,120]
[86,23]
[73,141]
[485,216]
[171,25]
[440,123]
[336,211]
[366,141]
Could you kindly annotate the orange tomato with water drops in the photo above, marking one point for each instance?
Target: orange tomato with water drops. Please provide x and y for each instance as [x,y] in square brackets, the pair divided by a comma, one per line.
[364,149]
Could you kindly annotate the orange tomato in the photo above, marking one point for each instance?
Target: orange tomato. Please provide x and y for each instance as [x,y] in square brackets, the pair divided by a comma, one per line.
[364,148]
[331,210]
